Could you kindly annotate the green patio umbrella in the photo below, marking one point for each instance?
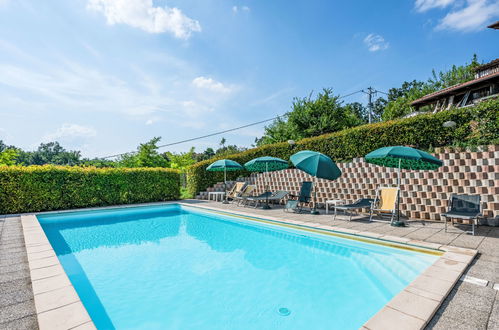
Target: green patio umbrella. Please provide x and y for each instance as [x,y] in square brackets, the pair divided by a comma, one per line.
[317,165]
[266,164]
[225,165]
[403,158]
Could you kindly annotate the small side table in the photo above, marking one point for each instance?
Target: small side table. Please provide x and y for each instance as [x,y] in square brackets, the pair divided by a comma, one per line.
[333,202]
[216,195]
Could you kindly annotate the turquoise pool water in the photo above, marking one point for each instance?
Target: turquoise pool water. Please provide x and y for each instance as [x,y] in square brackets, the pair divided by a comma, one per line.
[177,267]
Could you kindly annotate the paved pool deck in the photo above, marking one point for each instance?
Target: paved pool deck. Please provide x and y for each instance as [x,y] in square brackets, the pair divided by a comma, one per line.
[472,304]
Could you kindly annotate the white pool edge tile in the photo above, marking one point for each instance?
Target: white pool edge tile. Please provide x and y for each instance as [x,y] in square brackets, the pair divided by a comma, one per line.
[59,314]
[432,296]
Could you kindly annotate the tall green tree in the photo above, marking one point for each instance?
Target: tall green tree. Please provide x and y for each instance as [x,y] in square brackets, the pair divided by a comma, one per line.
[207,154]
[455,75]
[312,117]
[146,156]
[50,153]
[181,160]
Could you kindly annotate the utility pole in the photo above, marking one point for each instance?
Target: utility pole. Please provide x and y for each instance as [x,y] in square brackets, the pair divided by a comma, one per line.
[370,92]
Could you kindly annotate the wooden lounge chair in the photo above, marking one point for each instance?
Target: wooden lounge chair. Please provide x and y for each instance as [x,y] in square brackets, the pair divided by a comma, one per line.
[271,197]
[385,202]
[466,207]
[236,190]
[244,194]
[295,202]
[363,203]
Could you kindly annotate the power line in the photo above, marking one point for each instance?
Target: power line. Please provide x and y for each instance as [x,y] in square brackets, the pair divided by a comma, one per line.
[378,91]
[350,94]
[220,132]
[203,136]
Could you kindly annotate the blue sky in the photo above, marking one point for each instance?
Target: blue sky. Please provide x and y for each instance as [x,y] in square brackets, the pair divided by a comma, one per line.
[102,76]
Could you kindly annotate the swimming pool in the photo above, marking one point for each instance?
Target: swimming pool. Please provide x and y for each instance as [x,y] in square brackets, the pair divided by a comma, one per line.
[181,267]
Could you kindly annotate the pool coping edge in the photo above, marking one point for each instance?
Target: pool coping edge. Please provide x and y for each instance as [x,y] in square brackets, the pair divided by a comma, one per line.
[57,303]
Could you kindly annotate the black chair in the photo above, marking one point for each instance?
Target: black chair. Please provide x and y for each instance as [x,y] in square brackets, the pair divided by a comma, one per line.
[467,207]
[295,202]
[363,203]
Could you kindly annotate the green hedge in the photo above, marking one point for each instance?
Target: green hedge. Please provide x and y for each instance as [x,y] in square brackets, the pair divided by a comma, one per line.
[45,188]
[475,126]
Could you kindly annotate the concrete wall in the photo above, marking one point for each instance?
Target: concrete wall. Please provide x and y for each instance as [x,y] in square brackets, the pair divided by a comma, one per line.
[424,194]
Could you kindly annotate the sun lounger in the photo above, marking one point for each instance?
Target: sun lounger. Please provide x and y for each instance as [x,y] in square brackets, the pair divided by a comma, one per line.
[271,197]
[295,202]
[236,190]
[244,194]
[466,207]
[363,203]
[385,202]
[246,199]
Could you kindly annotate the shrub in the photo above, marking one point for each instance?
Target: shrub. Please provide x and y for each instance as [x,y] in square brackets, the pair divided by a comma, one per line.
[48,187]
[474,125]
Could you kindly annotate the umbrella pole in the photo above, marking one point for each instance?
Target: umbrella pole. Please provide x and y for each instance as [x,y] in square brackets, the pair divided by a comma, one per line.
[398,193]
[266,206]
[225,187]
[314,209]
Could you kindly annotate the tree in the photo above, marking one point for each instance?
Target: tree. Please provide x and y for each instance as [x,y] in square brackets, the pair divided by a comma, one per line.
[98,162]
[50,153]
[207,154]
[8,156]
[359,111]
[146,156]
[279,130]
[3,146]
[456,75]
[222,142]
[378,108]
[181,160]
[312,117]
[399,99]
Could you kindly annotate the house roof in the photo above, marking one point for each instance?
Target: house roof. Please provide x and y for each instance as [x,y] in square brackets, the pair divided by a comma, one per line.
[494,25]
[453,89]
[487,65]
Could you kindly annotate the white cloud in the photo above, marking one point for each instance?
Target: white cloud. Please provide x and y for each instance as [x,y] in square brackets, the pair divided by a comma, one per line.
[210,84]
[237,9]
[153,120]
[424,5]
[375,42]
[58,88]
[142,14]
[473,16]
[70,131]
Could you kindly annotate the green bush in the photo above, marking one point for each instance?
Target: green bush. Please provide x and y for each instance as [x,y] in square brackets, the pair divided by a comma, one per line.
[474,125]
[48,187]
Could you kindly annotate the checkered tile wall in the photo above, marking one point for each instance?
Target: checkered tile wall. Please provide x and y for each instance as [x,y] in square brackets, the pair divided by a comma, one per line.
[424,194]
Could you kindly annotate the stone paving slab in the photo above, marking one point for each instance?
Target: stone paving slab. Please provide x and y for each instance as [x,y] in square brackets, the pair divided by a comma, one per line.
[17,308]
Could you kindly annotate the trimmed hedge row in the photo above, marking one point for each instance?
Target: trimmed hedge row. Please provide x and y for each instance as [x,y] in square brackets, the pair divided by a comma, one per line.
[45,188]
[476,126]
